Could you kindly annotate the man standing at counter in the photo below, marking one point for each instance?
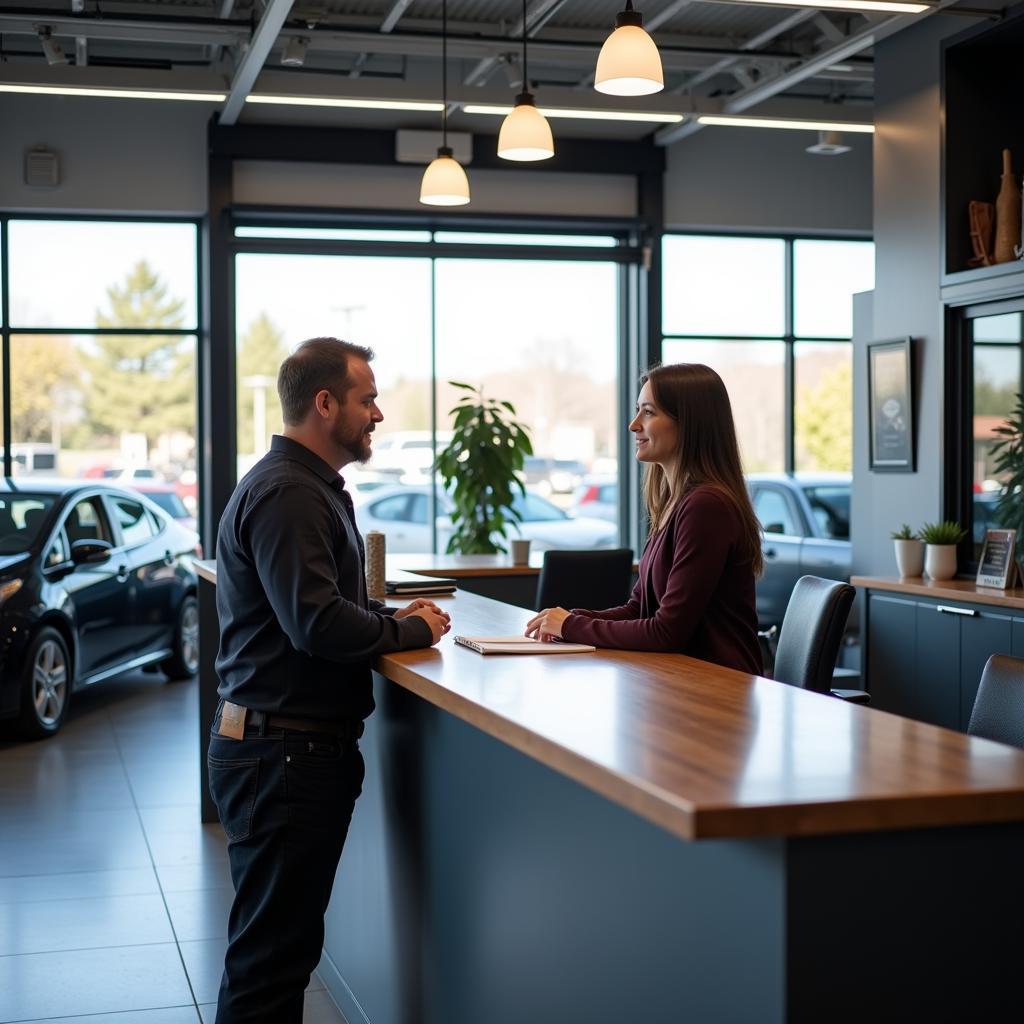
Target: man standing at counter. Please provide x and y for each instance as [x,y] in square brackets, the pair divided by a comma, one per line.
[298,635]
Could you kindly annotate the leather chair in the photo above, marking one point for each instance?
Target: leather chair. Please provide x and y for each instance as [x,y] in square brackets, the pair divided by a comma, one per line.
[998,712]
[812,630]
[585,579]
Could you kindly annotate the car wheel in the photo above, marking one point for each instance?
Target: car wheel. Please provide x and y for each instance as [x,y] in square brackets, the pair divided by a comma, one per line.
[184,662]
[46,685]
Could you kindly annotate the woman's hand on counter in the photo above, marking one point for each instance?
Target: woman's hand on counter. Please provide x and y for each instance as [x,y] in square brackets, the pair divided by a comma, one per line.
[547,624]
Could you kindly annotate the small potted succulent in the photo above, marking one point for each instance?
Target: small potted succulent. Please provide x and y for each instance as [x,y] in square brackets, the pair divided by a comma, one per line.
[940,554]
[909,552]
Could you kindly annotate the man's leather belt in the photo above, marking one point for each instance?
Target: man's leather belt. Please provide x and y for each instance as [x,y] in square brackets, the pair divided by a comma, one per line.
[234,718]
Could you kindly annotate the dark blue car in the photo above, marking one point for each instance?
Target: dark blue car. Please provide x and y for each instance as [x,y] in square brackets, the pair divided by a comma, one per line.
[94,580]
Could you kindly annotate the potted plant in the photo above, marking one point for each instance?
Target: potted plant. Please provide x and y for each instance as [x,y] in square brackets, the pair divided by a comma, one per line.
[909,551]
[1009,466]
[481,467]
[940,553]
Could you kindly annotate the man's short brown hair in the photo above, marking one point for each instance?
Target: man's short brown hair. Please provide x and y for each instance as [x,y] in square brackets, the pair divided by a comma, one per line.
[316,365]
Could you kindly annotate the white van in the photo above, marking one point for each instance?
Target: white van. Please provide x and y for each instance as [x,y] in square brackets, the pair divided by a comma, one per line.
[34,459]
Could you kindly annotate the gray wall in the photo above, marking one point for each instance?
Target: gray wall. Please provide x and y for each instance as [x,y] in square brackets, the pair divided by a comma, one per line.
[763,180]
[908,218]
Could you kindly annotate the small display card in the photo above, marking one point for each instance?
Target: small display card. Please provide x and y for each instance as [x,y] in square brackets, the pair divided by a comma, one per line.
[996,567]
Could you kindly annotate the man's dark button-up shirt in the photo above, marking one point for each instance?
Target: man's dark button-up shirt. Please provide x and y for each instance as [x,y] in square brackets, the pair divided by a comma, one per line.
[298,633]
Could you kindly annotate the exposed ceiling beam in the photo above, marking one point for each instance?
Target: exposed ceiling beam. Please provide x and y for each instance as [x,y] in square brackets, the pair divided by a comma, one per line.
[765,37]
[391,18]
[860,40]
[263,39]
[667,13]
[536,17]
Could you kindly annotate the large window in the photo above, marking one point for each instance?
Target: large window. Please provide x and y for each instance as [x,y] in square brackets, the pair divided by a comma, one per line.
[100,335]
[774,317]
[539,332]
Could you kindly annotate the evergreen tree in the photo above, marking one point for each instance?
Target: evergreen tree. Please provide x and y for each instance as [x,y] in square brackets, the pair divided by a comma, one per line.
[261,350]
[142,383]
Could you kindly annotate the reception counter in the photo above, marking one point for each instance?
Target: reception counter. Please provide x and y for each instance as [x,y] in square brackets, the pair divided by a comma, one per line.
[619,836]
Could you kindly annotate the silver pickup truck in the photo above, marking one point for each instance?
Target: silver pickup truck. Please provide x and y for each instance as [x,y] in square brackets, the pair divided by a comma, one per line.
[806,520]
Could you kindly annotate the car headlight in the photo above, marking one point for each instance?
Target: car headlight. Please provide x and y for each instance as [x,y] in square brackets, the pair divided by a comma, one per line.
[9,589]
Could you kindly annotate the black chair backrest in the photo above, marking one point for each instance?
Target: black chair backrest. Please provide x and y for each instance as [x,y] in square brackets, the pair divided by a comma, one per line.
[999,706]
[812,630]
[585,579]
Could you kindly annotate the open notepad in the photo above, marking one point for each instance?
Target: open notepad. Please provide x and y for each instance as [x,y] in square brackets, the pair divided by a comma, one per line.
[520,645]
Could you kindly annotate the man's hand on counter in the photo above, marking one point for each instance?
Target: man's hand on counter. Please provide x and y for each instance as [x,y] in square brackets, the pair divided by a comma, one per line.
[435,617]
[547,624]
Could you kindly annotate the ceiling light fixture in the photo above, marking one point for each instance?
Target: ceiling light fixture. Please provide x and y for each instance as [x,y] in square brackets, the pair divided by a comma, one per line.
[343,101]
[51,48]
[783,122]
[629,63]
[294,55]
[525,135]
[580,114]
[112,93]
[444,181]
[886,6]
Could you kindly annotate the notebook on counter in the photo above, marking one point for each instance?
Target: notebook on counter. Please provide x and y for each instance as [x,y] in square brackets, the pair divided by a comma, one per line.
[520,645]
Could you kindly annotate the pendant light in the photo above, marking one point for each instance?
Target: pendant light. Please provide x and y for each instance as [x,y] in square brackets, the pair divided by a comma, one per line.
[444,181]
[629,63]
[525,133]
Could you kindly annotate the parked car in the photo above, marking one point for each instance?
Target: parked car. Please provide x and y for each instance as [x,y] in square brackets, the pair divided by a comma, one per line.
[806,520]
[402,514]
[552,476]
[597,497]
[165,496]
[406,454]
[94,580]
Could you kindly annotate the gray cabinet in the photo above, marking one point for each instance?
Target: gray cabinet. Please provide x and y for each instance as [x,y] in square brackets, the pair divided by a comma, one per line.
[925,656]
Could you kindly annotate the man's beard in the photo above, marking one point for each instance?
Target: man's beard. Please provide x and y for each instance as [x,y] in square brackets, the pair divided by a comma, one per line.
[356,443]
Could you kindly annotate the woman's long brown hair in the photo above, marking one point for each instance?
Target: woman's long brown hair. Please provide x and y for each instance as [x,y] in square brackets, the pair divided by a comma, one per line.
[695,397]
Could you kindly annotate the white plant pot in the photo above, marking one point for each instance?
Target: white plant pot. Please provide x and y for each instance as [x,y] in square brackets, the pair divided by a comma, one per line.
[940,561]
[909,557]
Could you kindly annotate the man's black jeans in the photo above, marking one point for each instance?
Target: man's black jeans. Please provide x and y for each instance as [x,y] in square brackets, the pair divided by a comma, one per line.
[285,800]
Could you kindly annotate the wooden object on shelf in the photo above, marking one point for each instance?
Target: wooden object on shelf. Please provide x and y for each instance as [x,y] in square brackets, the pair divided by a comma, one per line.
[982,217]
[1008,220]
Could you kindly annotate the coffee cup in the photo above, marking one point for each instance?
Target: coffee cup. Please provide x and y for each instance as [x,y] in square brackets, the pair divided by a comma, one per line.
[521,551]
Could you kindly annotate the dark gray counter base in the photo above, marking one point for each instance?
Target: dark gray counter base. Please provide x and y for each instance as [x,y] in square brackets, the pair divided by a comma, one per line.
[479,887]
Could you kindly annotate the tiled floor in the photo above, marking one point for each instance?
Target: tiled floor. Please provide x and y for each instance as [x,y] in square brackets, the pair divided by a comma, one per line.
[113,898]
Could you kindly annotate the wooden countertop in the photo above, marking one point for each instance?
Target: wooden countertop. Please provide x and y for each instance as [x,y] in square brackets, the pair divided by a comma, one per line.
[943,590]
[704,751]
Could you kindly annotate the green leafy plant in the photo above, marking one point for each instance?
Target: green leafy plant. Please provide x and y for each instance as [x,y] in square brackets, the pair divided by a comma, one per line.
[481,467]
[942,533]
[904,533]
[1009,465]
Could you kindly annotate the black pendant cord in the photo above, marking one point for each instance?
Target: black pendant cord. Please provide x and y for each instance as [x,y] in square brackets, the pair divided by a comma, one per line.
[444,72]
[526,77]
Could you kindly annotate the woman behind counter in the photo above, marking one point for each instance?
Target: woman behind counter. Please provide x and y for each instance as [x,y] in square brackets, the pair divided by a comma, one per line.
[695,594]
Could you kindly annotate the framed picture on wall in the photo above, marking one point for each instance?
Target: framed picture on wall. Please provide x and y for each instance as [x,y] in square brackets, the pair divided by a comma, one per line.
[891,412]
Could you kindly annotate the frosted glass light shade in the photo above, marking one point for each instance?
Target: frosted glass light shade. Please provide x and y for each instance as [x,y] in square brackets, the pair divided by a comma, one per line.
[629,64]
[525,133]
[444,181]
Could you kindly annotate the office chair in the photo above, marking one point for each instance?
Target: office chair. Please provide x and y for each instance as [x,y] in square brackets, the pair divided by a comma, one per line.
[812,630]
[585,579]
[998,712]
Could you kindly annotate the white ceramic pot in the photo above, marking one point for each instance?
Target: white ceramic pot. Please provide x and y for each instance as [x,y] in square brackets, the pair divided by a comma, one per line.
[940,561]
[909,557]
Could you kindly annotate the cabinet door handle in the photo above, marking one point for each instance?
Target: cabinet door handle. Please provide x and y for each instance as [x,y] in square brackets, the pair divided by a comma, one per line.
[948,609]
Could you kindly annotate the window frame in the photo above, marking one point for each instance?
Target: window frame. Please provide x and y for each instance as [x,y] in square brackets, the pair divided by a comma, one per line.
[789,339]
[7,331]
